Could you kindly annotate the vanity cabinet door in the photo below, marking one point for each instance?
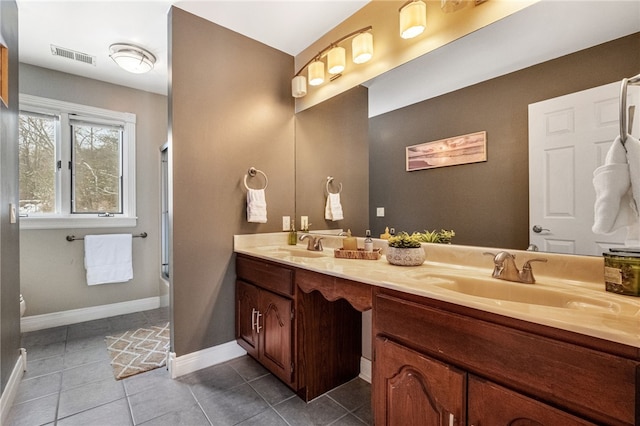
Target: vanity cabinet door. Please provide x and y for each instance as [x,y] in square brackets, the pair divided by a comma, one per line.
[276,335]
[413,389]
[491,404]
[247,296]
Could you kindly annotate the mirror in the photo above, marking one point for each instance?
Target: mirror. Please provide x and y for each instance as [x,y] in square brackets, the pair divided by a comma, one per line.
[470,89]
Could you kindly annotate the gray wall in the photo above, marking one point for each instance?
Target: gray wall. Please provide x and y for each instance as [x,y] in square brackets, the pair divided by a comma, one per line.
[9,233]
[52,270]
[485,203]
[331,140]
[230,108]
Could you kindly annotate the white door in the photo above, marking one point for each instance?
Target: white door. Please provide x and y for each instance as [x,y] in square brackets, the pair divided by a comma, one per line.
[569,137]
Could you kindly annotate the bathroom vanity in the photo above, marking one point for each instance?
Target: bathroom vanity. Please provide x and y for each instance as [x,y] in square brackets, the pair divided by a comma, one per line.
[451,345]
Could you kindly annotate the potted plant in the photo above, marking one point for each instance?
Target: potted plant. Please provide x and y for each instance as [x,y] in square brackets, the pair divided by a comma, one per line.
[443,236]
[405,250]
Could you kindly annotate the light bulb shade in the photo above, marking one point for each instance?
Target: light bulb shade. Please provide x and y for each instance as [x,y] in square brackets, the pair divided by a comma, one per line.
[132,58]
[316,73]
[362,47]
[299,86]
[336,60]
[413,19]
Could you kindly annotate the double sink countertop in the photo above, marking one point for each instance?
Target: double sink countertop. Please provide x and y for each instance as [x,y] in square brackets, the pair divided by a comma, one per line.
[568,294]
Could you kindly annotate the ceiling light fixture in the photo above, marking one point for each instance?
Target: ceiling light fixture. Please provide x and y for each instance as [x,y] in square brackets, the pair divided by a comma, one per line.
[132,58]
[413,18]
[362,50]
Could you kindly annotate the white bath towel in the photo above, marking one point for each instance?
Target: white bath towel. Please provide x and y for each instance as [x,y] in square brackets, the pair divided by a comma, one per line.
[613,208]
[256,206]
[107,258]
[333,208]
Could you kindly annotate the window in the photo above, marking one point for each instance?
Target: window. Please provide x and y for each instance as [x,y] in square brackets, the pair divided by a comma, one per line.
[77,165]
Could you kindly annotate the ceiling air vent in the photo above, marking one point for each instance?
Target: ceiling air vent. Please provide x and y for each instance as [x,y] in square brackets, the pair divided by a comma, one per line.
[73,55]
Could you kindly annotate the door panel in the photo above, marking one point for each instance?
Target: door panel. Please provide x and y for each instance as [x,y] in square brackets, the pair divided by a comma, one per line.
[246,307]
[276,335]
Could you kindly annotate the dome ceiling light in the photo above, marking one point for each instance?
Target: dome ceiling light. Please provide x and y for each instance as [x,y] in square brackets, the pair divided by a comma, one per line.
[132,58]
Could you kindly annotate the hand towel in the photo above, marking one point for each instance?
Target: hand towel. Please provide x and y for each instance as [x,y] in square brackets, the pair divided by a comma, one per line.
[107,258]
[632,146]
[614,198]
[333,208]
[256,206]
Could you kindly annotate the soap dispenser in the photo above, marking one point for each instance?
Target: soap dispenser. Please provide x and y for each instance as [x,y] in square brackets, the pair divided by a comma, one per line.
[349,242]
[368,242]
[293,235]
[386,234]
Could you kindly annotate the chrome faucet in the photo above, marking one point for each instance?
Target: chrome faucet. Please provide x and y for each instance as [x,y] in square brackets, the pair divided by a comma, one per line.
[505,268]
[313,243]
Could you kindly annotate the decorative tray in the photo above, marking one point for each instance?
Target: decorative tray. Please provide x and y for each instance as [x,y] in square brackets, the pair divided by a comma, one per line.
[358,254]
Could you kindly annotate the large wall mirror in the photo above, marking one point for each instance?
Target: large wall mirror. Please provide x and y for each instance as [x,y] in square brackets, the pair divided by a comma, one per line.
[485,82]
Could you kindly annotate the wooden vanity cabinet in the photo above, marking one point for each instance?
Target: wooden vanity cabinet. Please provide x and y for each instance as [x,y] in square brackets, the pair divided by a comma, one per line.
[507,372]
[299,324]
[264,315]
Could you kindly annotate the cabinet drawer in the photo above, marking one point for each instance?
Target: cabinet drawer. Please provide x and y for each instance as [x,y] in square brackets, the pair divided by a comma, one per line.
[266,275]
[598,385]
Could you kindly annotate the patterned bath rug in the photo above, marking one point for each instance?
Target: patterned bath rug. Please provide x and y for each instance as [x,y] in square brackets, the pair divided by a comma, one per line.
[137,351]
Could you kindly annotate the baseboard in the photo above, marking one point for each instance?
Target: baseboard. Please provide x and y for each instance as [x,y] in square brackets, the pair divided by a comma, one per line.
[185,364]
[10,391]
[73,316]
[365,369]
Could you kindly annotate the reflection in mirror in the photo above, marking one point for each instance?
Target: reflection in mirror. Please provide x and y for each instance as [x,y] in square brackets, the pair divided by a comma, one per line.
[486,204]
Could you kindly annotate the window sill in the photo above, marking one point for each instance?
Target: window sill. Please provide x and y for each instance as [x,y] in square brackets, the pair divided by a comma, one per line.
[77,222]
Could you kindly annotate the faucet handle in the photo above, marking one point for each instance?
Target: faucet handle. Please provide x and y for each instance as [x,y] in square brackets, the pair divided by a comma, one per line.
[526,276]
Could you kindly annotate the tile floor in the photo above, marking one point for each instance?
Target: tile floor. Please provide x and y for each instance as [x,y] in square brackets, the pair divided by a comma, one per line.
[69,382]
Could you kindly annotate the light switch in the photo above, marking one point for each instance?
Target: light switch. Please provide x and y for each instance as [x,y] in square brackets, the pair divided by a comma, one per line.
[12,213]
[380,212]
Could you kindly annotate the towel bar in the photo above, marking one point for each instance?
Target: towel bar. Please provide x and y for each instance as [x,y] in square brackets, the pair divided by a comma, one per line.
[329,180]
[74,238]
[252,172]
[624,131]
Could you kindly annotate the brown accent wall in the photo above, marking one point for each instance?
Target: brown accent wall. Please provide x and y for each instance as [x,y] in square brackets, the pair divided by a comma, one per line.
[9,233]
[487,204]
[331,140]
[230,108]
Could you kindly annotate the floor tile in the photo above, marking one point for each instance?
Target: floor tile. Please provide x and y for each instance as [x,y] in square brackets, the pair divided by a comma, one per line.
[266,418]
[157,316]
[231,406]
[35,412]
[271,389]
[348,420]
[38,387]
[352,395]
[248,368]
[44,366]
[99,327]
[86,373]
[89,396]
[85,343]
[87,356]
[45,351]
[115,413]
[127,322]
[164,398]
[190,416]
[365,413]
[320,411]
[44,337]
[149,380]
[210,381]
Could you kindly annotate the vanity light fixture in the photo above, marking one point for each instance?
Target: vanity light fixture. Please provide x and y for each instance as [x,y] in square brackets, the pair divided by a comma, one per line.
[413,18]
[362,51]
[132,58]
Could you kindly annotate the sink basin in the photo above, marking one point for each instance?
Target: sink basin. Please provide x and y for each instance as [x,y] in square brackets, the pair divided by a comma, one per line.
[498,291]
[294,251]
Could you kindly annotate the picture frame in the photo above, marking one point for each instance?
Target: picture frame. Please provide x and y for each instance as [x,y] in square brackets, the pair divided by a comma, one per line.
[453,151]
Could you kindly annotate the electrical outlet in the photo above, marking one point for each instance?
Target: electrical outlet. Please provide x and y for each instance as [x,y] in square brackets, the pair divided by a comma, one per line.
[380,212]
[286,223]
[12,213]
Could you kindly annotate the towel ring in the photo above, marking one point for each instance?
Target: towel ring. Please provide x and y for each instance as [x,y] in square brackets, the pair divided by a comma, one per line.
[329,180]
[253,172]
[624,132]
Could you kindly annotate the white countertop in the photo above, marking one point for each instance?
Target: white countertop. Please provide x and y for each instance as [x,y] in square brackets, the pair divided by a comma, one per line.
[576,280]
